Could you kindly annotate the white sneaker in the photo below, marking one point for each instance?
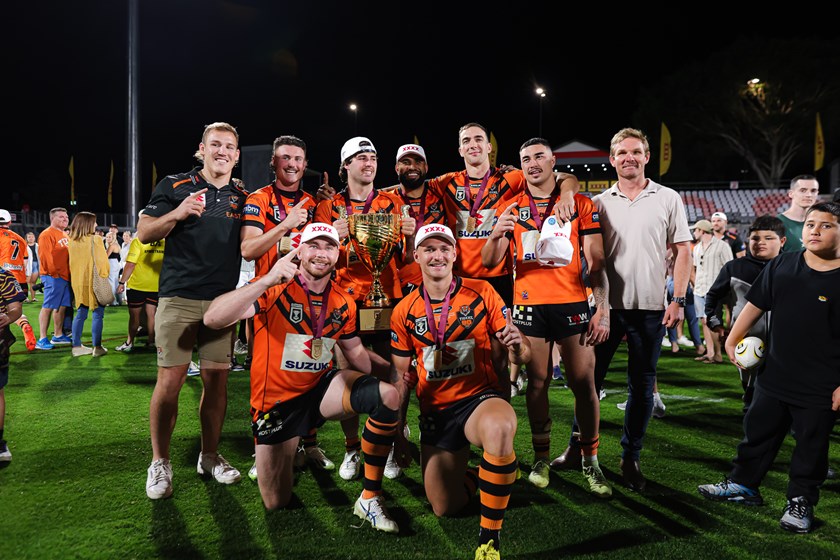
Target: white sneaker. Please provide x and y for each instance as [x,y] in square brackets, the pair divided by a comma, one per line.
[539,476]
[99,351]
[685,341]
[392,469]
[82,350]
[5,454]
[315,456]
[124,347]
[666,343]
[658,406]
[159,480]
[621,405]
[602,394]
[240,347]
[193,369]
[252,472]
[350,466]
[374,511]
[213,464]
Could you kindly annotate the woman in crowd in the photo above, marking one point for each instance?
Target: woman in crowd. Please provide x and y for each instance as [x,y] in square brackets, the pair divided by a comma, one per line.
[113,249]
[32,243]
[85,249]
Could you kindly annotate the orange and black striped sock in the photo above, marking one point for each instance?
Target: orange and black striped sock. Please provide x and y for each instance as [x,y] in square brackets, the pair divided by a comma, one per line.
[495,481]
[310,439]
[377,439]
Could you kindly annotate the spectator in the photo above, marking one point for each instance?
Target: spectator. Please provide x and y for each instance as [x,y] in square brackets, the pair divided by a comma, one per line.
[85,251]
[710,254]
[112,249]
[804,191]
[55,276]
[34,263]
[719,230]
[139,280]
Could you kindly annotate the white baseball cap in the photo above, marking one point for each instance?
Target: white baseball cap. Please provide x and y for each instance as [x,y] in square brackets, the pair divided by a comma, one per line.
[356,145]
[411,149]
[318,229]
[554,247]
[720,215]
[433,230]
[5,216]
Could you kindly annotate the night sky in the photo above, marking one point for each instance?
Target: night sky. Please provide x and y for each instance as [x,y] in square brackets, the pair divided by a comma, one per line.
[276,67]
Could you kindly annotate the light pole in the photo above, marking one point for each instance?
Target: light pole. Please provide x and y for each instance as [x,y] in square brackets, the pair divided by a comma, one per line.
[355,109]
[541,93]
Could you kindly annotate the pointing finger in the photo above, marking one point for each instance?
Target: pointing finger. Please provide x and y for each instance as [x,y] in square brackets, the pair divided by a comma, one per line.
[291,254]
[301,203]
[510,208]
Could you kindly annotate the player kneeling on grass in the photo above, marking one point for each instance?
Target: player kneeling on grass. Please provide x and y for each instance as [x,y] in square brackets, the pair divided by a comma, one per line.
[798,390]
[462,337]
[299,317]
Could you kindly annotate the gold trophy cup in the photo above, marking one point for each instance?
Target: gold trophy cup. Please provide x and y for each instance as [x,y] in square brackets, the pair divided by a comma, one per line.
[375,237]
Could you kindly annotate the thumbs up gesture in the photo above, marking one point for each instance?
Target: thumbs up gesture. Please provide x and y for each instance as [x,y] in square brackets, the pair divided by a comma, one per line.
[325,191]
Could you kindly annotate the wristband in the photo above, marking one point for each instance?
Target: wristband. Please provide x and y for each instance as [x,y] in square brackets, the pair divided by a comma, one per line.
[680,301]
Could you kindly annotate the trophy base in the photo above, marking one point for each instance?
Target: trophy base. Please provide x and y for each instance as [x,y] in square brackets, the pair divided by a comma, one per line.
[374,319]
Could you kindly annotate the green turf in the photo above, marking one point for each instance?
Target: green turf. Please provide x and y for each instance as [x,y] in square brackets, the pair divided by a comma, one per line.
[78,431]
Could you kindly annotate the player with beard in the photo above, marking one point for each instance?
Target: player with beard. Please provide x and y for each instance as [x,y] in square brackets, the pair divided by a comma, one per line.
[274,216]
[300,317]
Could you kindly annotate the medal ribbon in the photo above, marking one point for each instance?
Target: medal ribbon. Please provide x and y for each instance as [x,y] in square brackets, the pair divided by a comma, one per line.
[317,322]
[438,331]
[551,202]
[480,195]
[418,219]
[278,196]
[349,205]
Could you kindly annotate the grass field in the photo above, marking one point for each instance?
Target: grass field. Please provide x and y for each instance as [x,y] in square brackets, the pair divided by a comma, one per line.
[79,433]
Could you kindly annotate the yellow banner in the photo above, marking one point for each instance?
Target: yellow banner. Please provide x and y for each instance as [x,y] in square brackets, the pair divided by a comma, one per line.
[111,185]
[664,151]
[595,186]
[494,151]
[819,146]
[72,182]
[416,141]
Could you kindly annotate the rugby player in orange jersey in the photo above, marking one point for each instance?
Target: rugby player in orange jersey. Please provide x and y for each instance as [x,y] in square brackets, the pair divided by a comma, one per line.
[14,254]
[462,337]
[551,308]
[300,316]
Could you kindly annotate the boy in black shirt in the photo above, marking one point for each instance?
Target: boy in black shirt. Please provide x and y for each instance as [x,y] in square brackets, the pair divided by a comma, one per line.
[800,385]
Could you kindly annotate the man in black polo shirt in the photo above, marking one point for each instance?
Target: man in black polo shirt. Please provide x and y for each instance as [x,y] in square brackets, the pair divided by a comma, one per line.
[199,214]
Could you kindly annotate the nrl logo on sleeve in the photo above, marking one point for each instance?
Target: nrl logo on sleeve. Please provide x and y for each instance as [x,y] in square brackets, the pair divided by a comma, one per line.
[296,313]
[421,326]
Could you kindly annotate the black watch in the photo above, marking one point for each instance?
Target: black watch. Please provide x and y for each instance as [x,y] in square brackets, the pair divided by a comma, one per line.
[680,301]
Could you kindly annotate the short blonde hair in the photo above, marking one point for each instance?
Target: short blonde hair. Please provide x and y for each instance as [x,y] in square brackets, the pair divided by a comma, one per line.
[221,126]
[626,133]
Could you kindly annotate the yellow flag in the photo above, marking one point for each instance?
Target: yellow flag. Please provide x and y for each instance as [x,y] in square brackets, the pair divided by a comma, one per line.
[111,185]
[154,176]
[495,150]
[664,151]
[819,146]
[416,141]
[72,182]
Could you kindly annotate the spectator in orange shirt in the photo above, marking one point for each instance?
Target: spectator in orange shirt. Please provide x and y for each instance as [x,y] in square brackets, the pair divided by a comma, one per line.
[55,276]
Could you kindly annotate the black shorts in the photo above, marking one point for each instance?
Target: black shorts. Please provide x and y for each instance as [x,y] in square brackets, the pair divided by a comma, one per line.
[503,286]
[552,321]
[445,428]
[292,418]
[137,298]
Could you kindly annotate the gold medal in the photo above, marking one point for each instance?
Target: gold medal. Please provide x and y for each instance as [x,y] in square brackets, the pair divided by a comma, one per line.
[471,224]
[438,357]
[285,245]
[317,347]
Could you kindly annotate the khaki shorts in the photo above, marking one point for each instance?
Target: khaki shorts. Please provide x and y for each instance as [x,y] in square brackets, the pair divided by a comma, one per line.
[179,328]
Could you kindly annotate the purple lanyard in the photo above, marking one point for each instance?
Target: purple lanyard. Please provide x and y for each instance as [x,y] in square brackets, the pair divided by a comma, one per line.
[318,322]
[534,213]
[418,219]
[480,195]
[278,196]
[348,203]
[438,332]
